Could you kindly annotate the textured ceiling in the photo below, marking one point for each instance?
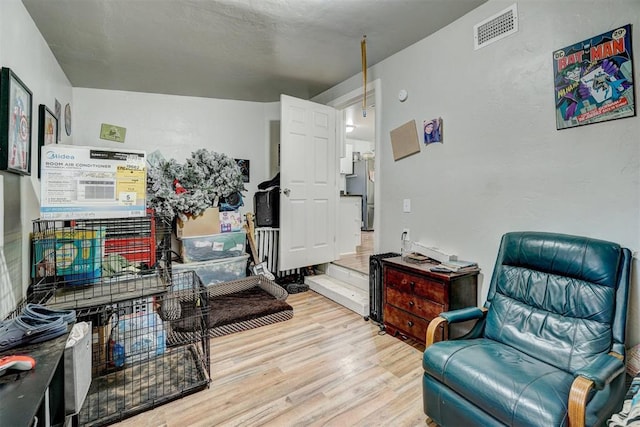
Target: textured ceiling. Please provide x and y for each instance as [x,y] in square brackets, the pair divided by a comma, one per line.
[250,50]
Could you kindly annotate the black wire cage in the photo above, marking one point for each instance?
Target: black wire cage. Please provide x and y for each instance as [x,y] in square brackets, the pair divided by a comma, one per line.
[81,264]
[149,340]
[147,351]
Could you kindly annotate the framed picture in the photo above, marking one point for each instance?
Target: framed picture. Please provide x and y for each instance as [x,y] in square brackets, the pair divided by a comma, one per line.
[15,123]
[67,119]
[112,132]
[47,129]
[594,79]
[432,130]
[243,164]
[58,107]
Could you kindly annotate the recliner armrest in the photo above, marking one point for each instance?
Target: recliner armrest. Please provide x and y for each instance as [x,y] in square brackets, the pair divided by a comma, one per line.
[596,375]
[604,369]
[453,316]
[463,314]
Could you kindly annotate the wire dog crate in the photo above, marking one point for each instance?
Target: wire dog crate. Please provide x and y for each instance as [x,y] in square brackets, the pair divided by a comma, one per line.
[149,340]
[83,264]
[139,361]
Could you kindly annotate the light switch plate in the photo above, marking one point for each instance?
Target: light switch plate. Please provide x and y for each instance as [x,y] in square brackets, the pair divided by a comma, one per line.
[406,205]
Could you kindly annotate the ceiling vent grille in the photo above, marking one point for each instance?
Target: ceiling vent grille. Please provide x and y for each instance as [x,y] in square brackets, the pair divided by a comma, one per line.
[496,27]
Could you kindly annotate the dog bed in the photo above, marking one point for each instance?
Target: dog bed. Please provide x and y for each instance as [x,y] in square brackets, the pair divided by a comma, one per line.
[231,307]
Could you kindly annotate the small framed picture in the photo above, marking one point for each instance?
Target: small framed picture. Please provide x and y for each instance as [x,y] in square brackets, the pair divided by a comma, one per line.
[432,130]
[67,119]
[47,130]
[15,123]
[58,107]
[243,164]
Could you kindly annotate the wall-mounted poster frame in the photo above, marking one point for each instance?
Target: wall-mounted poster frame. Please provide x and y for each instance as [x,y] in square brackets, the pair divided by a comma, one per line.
[594,79]
[15,123]
[47,130]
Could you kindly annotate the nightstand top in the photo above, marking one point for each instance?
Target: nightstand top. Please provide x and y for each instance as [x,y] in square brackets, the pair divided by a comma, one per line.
[425,267]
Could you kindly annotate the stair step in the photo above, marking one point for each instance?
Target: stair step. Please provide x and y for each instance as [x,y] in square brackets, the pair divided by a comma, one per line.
[349,296]
[353,277]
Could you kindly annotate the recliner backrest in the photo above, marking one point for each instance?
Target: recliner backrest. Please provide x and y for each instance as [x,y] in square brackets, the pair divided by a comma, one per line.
[554,297]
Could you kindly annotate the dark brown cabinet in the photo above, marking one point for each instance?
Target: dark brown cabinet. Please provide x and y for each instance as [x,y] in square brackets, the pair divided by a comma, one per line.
[414,295]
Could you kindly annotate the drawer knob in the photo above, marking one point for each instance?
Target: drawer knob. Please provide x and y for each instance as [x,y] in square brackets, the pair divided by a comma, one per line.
[409,323]
[411,303]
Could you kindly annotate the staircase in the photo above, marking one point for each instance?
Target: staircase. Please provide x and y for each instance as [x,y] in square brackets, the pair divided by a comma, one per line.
[347,287]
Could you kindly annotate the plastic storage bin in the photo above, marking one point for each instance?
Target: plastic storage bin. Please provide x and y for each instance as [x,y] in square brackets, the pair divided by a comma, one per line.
[212,247]
[216,271]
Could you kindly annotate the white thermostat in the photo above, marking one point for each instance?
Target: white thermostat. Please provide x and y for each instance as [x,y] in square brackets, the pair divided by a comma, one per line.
[402,95]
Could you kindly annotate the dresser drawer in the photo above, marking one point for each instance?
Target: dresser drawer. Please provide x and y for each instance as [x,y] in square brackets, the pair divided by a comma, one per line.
[421,307]
[415,284]
[410,324]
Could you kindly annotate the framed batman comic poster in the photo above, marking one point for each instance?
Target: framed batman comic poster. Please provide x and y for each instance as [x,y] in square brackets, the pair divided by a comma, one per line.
[594,80]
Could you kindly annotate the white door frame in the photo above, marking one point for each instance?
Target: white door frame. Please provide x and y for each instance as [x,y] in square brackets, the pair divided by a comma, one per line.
[374,89]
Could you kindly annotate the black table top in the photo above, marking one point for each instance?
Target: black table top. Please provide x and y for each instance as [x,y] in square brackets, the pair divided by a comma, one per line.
[21,392]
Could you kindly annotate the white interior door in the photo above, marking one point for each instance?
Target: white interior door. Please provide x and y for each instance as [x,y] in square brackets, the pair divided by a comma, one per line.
[308,187]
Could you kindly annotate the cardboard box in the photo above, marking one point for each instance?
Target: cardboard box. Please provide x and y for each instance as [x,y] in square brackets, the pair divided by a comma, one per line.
[205,224]
[88,182]
[74,254]
[100,340]
[230,221]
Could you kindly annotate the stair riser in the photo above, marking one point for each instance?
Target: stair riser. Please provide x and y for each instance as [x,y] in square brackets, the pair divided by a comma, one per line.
[354,278]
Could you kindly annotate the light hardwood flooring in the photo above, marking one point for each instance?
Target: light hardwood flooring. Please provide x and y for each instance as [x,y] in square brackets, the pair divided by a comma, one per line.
[325,367]
[360,260]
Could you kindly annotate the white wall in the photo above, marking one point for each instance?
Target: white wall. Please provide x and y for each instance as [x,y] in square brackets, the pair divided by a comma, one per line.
[23,49]
[503,165]
[361,146]
[179,125]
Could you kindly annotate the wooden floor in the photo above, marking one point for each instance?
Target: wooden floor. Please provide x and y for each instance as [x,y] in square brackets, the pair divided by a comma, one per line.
[325,367]
[360,260]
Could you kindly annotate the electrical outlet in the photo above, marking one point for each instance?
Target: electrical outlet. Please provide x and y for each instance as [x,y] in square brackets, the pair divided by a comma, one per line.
[406,236]
[406,205]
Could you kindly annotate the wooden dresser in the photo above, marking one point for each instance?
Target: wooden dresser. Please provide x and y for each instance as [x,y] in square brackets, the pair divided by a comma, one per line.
[414,295]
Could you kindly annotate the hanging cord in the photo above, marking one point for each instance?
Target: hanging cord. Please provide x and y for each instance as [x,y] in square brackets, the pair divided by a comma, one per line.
[363,49]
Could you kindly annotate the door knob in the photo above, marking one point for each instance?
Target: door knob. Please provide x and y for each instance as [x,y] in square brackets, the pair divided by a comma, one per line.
[286,191]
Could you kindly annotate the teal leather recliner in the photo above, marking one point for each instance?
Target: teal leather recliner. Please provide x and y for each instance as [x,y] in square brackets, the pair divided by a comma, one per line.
[548,348]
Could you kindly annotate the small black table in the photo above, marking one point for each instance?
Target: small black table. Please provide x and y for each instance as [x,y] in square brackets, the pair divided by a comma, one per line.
[22,393]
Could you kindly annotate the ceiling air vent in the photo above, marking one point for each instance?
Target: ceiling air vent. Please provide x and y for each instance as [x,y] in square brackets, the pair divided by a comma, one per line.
[496,27]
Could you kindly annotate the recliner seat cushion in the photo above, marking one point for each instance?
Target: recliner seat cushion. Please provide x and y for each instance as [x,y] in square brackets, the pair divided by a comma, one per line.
[509,385]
